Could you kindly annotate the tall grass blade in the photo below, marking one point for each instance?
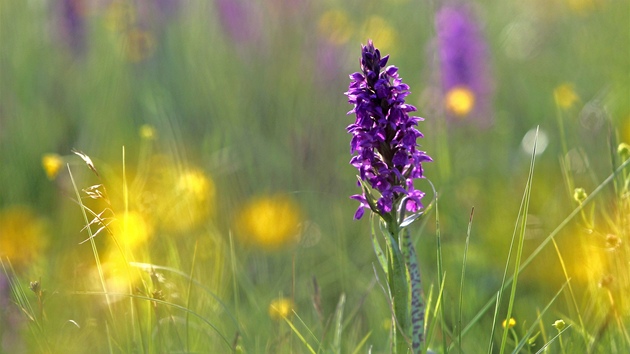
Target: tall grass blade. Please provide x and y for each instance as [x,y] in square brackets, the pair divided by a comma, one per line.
[148,267]
[530,330]
[441,273]
[338,324]
[300,336]
[572,294]
[542,349]
[521,239]
[461,283]
[162,302]
[91,237]
[364,340]
[548,239]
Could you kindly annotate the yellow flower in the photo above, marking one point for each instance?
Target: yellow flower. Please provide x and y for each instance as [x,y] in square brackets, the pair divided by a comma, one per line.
[511,323]
[147,132]
[334,25]
[22,235]
[120,16]
[131,230]
[382,34]
[280,308]
[565,96]
[119,276]
[460,101]
[186,199]
[52,164]
[583,7]
[625,130]
[270,222]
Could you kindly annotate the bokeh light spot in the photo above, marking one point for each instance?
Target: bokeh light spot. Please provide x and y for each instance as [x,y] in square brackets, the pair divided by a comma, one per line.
[270,222]
[460,101]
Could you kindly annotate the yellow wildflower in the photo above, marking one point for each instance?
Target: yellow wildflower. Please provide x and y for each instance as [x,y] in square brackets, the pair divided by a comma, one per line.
[280,308]
[52,164]
[270,222]
[119,276]
[335,26]
[381,32]
[131,229]
[583,7]
[460,101]
[147,132]
[565,96]
[187,199]
[509,323]
[22,235]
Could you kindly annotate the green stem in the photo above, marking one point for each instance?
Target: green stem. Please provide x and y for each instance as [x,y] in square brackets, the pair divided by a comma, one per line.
[399,289]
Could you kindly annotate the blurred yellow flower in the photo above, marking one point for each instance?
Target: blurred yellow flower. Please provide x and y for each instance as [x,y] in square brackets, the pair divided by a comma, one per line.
[625,130]
[459,101]
[187,199]
[119,276]
[334,25]
[280,308]
[147,132]
[565,96]
[511,323]
[120,16]
[270,222]
[131,230]
[52,164]
[138,45]
[583,7]
[22,235]
[382,34]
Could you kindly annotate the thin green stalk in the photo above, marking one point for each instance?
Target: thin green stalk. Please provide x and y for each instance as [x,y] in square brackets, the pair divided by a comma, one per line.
[91,238]
[190,284]
[151,300]
[234,281]
[440,271]
[572,294]
[529,332]
[494,321]
[519,249]
[461,284]
[548,239]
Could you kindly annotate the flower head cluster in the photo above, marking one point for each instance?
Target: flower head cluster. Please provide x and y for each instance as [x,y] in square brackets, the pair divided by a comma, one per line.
[463,56]
[384,135]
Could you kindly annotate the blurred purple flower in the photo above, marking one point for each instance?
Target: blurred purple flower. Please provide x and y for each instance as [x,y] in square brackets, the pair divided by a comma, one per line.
[238,20]
[384,135]
[464,57]
[156,13]
[72,24]
[167,8]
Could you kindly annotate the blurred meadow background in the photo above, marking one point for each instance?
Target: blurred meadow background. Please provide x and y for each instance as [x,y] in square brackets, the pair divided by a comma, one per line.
[206,208]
